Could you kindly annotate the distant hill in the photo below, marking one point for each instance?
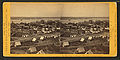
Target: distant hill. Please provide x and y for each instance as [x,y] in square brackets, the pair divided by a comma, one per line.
[62,19]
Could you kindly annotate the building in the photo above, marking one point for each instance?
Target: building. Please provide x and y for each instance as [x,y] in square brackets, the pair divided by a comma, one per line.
[80,49]
[40,52]
[82,40]
[32,49]
[90,38]
[46,30]
[34,39]
[17,43]
[65,44]
[73,35]
[58,28]
[89,52]
[25,35]
[42,38]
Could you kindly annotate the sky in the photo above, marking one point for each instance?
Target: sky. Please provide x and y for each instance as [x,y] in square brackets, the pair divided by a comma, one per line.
[59,10]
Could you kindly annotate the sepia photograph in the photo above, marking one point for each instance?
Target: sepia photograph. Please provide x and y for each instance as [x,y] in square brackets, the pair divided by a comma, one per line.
[59,28]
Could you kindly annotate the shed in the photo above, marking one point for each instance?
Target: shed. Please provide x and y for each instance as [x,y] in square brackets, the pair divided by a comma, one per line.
[58,28]
[40,52]
[65,44]
[73,35]
[32,49]
[90,38]
[55,36]
[34,39]
[80,49]
[17,43]
[82,39]
[89,52]
[42,37]
[24,35]
[104,36]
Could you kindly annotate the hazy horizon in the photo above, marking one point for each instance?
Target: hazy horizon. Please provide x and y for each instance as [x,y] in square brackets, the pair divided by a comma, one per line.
[74,20]
[59,9]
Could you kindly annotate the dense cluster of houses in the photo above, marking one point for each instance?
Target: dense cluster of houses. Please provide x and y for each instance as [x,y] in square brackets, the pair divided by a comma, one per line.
[36,37]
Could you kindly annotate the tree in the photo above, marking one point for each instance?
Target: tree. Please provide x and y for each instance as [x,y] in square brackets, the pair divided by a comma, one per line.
[42,21]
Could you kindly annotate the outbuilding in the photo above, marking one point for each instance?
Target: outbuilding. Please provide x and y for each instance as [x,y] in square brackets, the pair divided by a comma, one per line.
[42,37]
[17,43]
[89,52]
[32,49]
[80,49]
[82,39]
[65,44]
[34,39]
[90,38]
[40,52]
